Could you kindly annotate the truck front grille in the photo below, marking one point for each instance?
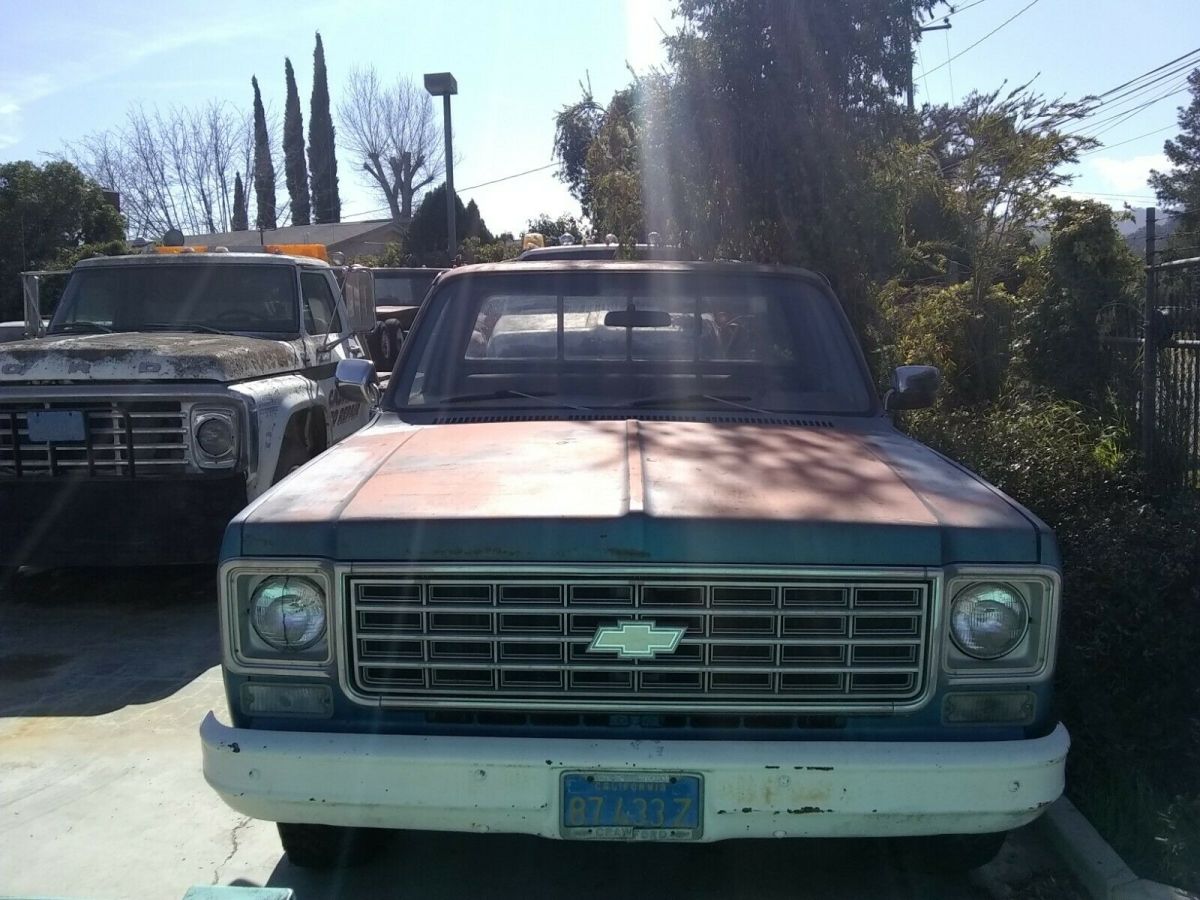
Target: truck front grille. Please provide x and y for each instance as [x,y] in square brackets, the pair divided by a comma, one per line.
[768,642]
[134,438]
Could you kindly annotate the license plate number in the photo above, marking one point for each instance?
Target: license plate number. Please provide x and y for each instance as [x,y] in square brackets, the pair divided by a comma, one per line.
[631,806]
[55,426]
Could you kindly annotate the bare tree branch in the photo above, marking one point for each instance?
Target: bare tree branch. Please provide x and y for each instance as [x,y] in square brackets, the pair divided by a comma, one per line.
[393,133]
[173,170]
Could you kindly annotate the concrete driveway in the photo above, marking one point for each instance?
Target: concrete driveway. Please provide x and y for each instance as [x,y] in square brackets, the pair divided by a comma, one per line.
[104,678]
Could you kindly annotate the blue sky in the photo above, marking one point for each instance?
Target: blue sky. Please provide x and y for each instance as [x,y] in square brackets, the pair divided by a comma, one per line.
[69,69]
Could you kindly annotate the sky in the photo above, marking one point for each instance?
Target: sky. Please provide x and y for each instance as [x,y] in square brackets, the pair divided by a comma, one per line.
[70,69]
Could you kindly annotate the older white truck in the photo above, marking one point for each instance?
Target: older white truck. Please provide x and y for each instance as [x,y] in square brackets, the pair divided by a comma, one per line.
[166,392]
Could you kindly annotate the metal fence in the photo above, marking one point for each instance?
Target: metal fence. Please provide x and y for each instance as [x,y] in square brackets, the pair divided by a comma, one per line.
[1169,339]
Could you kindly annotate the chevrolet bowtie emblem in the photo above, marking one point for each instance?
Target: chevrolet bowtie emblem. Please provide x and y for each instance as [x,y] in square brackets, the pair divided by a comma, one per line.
[636,640]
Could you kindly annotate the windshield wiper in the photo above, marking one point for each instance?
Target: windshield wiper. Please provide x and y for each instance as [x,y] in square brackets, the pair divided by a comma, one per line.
[509,394]
[679,399]
[182,326]
[82,325]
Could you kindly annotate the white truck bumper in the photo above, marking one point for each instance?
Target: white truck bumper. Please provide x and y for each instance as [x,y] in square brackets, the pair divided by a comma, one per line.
[751,789]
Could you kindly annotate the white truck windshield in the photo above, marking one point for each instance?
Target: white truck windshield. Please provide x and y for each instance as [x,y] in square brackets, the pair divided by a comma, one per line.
[225,298]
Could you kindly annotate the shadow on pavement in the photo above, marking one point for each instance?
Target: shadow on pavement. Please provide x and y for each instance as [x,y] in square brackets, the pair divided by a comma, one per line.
[84,642]
[436,866]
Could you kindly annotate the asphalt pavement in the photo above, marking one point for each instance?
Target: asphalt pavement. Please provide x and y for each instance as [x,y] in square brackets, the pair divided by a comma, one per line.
[104,678]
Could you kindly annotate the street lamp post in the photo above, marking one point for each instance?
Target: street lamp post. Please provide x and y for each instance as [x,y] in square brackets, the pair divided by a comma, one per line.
[443,84]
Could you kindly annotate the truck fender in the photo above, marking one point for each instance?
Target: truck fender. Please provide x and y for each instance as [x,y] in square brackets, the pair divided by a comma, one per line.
[287,407]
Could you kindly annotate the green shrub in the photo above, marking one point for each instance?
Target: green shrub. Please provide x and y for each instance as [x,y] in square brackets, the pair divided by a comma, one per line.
[1128,681]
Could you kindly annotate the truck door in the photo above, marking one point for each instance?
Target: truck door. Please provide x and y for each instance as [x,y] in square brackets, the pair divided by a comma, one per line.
[322,322]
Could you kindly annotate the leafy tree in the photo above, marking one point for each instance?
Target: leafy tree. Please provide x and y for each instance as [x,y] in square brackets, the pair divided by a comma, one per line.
[293,150]
[999,161]
[322,148]
[427,231]
[68,256]
[475,226]
[762,139]
[264,168]
[1179,189]
[44,211]
[238,219]
[553,229]
[575,127]
[1083,277]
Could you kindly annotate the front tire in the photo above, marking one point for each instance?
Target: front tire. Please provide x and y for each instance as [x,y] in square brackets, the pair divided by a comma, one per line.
[328,846]
[293,455]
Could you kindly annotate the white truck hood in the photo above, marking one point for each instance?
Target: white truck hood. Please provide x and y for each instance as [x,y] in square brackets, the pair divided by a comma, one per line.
[131,356]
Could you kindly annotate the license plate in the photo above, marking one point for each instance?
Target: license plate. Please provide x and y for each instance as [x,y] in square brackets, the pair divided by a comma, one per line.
[648,806]
[55,426]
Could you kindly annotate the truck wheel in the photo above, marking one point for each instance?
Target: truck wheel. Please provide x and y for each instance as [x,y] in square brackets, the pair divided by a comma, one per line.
[293,455]
[328,846]
[390,342]
[959,852]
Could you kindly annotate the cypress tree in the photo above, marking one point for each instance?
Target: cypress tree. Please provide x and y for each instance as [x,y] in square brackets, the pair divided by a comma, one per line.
[293,150]
[238,220]
[322,152]
[264,168]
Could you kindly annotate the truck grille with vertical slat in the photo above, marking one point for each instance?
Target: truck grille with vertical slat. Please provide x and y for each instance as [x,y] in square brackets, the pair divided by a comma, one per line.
[132,439]
[444,641]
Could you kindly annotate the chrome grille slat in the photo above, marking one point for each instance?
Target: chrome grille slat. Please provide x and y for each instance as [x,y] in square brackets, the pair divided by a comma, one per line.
[450,640]
[123,439]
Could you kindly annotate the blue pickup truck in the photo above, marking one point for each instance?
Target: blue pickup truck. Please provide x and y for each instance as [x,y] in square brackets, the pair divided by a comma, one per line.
[634,551]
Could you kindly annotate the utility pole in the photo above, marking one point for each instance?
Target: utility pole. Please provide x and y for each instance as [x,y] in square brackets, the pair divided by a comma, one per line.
[945,26]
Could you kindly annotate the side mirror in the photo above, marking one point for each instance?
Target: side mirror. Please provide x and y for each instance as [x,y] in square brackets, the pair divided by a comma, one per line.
[913,387]
[359,293]
[355,380]
[32,289]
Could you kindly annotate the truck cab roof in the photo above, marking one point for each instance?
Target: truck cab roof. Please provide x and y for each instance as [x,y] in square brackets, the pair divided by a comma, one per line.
[216,259]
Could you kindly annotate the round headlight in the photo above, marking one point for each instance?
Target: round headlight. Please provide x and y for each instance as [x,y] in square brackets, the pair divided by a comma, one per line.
[988,620]
[216,437]
[288,612]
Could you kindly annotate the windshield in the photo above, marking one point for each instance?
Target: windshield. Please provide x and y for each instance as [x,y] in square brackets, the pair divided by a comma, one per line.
[402,288]
[250,298]
[626,340]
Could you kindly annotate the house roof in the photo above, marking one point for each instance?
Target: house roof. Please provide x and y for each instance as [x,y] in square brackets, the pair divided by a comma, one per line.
[331,235]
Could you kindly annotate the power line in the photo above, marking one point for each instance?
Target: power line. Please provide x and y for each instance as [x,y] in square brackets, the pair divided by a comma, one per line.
[1123,117]
[1011,18]
[509,177]
[1151,72]
[1130,140]
[959,9]
[367,212]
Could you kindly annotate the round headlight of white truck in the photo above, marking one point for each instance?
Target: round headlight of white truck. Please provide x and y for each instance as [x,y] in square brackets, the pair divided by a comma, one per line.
[288,612]
[216,436]
[988,619]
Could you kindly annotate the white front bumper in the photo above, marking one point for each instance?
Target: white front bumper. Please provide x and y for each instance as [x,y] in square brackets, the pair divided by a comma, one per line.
[751,788]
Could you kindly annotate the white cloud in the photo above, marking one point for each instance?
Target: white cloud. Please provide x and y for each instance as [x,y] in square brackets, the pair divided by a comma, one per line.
[1126,176]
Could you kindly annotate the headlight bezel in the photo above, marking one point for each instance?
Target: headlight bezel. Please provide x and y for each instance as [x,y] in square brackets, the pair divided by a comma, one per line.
[245,650]
[1032,660]
[201,415]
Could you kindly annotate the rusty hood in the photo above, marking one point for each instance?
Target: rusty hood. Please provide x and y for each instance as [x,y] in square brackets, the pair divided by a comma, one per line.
[638,491]
[134,356]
